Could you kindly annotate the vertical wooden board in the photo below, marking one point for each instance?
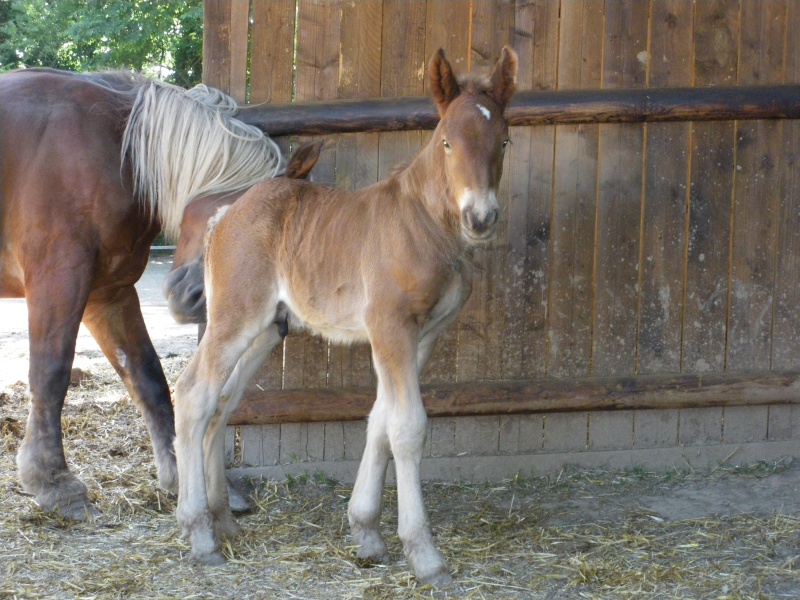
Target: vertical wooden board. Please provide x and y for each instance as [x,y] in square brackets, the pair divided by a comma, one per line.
[756,205]
[357,154]
[447,26]
[665,197]
[334,441]
[238,49]
[655,428]
[509,434]
[611,430]
[786,329]
[251,440]
[700,426]
[565,432]
[272,80]
[355,438]
[475,436]
[317,78]
[620,198]
[272,51]
[443,436]
[529,185]
[216,43]
[531,433]
[572,230]
[706,287]
[745,424]
[492,27]
[784,422]
[403,64]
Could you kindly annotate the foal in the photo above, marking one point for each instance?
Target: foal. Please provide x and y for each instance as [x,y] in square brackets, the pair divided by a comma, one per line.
[389,264]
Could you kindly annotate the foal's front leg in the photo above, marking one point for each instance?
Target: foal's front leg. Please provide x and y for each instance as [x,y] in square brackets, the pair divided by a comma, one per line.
[394,350]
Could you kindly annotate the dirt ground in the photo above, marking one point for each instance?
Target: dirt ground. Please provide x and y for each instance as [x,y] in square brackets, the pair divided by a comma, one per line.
[729,533]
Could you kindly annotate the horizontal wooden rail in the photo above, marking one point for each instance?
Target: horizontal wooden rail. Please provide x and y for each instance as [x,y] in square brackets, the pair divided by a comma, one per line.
[536,108]
[535,396]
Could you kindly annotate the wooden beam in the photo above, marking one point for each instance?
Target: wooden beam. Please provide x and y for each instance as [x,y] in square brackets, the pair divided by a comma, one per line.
[535,396]
[536,108]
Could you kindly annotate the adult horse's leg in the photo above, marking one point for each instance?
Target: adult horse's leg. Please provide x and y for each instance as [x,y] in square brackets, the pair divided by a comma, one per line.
[115,321]
[55,299]
[394,349]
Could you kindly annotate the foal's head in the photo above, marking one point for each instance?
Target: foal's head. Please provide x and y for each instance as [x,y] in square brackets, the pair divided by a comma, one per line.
[472,136]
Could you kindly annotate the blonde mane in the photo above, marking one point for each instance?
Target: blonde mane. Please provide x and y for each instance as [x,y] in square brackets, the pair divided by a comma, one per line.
[184,143]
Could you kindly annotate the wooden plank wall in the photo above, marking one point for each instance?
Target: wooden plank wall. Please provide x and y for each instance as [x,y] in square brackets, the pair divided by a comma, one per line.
[623,249]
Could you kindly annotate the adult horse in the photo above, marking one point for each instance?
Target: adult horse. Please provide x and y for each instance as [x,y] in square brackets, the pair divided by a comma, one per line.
[92,167]
[390,264]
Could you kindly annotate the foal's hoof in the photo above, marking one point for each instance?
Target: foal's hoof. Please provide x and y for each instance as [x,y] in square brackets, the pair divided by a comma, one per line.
[430,567]
[371,547]
[437,579]
[212,559]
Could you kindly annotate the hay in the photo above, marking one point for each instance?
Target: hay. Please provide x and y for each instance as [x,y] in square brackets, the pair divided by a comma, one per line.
[577,535]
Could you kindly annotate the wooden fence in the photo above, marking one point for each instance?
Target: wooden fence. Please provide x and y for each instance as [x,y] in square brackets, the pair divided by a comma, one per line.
[628,253]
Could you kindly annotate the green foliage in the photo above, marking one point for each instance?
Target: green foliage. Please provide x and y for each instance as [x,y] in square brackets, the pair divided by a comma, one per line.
[158,38]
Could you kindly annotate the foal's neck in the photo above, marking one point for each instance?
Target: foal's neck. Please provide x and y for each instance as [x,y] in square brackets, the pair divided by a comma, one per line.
[425,180]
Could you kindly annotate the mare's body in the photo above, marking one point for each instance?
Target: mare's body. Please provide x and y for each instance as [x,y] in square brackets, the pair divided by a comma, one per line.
[82,196]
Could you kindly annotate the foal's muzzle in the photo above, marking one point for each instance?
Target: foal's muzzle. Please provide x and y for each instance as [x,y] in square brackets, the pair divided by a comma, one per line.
[479,226]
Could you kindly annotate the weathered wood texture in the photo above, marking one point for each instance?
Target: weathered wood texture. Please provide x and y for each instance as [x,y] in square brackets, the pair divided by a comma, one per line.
[629,105]
[645,232]
[539,395]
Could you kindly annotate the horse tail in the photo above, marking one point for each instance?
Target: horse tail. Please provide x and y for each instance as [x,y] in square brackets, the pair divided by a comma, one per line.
[184,143]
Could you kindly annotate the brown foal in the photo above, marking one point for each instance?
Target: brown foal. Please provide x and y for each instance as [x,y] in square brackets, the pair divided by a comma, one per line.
[389,264]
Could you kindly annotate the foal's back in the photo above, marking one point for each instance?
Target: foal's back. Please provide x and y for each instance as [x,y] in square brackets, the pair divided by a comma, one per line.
[332,254]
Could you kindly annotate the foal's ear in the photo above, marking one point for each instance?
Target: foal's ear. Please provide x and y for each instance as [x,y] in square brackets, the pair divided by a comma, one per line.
[444,86]
[504,79]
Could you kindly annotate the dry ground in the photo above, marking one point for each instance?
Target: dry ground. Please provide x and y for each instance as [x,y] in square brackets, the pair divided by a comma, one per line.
[733,533]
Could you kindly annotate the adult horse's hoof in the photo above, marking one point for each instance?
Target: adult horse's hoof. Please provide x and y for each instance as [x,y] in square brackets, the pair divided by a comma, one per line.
[78,511]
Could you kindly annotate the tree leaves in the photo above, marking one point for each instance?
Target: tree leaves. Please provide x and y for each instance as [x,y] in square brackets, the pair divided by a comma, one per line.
[162,39]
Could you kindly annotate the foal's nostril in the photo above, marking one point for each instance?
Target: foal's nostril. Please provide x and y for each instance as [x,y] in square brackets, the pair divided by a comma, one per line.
[480,224]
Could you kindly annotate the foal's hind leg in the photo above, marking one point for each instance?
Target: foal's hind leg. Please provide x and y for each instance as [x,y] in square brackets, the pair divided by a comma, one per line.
[116,323]
[199,407]
[214,442]
[55,305]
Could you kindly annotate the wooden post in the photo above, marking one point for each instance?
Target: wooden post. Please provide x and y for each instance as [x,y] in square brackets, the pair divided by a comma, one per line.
[532,396]
[536,108]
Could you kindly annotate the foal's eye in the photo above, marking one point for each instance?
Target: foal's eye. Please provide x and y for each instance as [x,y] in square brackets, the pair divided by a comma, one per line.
[506,142]
[446,145]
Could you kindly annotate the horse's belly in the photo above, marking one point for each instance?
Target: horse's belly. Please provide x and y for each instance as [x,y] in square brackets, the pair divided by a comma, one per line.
[339,323]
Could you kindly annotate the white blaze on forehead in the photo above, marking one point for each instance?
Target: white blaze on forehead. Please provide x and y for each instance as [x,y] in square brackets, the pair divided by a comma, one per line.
[484,111]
